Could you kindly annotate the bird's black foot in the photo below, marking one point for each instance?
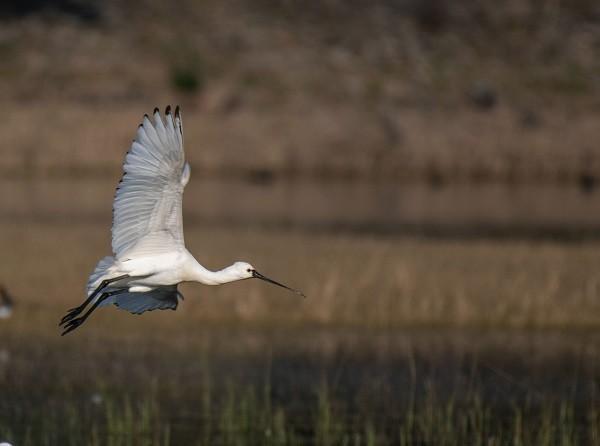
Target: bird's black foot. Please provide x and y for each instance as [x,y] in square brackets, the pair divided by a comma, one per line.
[72,325]
[71,314]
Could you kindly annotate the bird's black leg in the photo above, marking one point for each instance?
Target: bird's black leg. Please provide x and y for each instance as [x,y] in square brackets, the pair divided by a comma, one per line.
[77,310]
[74,323]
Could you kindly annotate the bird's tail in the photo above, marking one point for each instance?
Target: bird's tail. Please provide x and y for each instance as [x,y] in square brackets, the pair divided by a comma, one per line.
[100,272]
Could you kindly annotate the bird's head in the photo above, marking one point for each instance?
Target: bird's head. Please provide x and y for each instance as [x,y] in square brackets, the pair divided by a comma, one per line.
[243,270]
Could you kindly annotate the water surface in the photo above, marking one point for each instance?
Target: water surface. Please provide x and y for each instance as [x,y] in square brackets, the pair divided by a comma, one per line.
[452,209]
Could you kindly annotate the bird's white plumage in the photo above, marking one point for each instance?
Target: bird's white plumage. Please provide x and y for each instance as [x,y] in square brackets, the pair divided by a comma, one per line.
[150,258]
[96,277]
[147,207]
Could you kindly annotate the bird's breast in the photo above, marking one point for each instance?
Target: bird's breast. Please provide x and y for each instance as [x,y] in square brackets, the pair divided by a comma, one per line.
[164,269]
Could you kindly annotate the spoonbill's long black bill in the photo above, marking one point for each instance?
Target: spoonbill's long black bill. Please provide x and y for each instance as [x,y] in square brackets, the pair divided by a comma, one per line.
[258,275]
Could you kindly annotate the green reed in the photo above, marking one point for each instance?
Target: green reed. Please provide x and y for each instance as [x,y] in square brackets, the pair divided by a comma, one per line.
[248,416]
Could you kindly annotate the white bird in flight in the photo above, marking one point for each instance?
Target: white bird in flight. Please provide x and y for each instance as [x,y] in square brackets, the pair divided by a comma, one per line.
[150,258]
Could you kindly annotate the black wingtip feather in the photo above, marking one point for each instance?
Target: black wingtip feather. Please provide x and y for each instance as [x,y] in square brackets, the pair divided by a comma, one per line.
[177,115]
[156,110]
[168,110]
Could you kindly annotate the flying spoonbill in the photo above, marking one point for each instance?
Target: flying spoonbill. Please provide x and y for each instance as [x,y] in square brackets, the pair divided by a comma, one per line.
[149,255]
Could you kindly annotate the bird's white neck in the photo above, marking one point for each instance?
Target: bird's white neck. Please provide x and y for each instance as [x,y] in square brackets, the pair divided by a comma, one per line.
[198,273]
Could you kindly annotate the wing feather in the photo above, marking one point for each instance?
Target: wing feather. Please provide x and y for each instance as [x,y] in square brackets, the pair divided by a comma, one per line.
[148,198]
[161,298]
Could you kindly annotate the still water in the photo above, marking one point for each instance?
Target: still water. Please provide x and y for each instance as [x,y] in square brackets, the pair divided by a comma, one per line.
[379,207]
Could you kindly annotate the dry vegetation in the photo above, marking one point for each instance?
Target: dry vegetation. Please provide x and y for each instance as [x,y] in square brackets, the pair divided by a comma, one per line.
[180,378]
[401,340]
[422,90]
[362,282]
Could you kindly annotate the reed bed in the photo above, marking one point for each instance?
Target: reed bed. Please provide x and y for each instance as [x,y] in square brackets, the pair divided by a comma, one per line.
[369,282]
[217,386]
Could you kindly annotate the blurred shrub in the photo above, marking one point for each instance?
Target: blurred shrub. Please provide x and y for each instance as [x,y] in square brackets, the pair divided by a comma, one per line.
[187,79]
[187,67]
[85,10]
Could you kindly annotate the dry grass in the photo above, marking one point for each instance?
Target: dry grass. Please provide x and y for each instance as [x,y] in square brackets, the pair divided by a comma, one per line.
[75,138]
[366,282]
[318,91]
[327,90]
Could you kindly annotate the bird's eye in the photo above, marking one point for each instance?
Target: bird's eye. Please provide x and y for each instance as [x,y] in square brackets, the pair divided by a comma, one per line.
[249,270]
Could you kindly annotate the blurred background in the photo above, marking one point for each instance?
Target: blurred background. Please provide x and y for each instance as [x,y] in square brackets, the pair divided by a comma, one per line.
[425,171]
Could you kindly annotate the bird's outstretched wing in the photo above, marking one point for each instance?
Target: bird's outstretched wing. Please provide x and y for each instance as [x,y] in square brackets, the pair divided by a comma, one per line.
[161,298]
[147,207]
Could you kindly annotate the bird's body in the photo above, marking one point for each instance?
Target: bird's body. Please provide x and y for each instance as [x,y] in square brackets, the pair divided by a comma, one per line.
[149,255]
